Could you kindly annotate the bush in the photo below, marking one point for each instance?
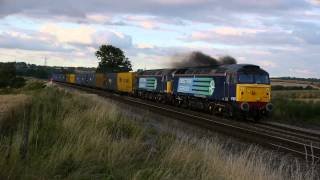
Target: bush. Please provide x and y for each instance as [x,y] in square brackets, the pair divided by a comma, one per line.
[18,82]
[7,74]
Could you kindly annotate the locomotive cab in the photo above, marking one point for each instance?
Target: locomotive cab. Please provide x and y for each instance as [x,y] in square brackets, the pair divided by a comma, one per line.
[253,91]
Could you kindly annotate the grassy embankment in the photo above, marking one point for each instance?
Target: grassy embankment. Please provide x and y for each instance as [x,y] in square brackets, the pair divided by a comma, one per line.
[297,106]
[56,134]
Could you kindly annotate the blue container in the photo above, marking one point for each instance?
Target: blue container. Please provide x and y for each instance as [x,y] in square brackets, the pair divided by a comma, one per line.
[59,77]
[81,79]
[111,81]
[91,79]
[86,79]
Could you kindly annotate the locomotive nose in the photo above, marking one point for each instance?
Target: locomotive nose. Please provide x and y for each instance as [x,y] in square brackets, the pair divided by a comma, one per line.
[253,93]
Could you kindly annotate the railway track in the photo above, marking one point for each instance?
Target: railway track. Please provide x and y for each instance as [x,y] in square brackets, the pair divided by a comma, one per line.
[280,138]
[293,129]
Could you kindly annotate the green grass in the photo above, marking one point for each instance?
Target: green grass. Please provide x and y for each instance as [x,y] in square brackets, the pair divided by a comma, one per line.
[297,111]
[61,135]
[297,106]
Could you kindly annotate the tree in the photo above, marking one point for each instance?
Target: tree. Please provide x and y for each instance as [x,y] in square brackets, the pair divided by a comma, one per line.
[112,59]
[7,74]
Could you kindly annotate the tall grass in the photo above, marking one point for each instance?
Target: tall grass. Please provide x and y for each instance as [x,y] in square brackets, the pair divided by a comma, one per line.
[297,111]
[62,135]
[29,85]
[297,106]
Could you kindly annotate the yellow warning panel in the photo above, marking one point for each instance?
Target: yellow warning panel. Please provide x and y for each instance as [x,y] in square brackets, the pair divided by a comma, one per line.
[253,93]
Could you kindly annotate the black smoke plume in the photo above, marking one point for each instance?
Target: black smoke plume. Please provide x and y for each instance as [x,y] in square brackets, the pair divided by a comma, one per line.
[227,60]
[198,59]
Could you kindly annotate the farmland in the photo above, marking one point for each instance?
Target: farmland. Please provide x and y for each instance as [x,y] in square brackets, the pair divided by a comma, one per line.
[61,134]
[298,107]
[291,82]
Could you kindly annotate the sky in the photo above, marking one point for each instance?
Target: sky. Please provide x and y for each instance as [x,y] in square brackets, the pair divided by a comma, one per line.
[282,36]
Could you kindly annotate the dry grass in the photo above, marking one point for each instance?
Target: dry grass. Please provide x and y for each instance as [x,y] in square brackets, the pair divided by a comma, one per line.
[74,136]
[297,94]
[9,103]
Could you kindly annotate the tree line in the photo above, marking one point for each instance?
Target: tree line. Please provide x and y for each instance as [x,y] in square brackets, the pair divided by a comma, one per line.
[8,77]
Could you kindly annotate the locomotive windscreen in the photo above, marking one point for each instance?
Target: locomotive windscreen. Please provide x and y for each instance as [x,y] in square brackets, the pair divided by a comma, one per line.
[254,79]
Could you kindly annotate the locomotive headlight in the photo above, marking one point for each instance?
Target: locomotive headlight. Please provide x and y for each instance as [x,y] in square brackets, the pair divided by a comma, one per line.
[268,91]
[245,106]
[242,91]
[269,107]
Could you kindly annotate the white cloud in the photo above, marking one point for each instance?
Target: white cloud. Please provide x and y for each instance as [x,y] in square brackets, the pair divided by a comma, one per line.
[275,34]
[30,41]
[81,34]
[98,18]
[231,31]
[115,38]
[298,72]
[267,64]
[315,2]
[144,46]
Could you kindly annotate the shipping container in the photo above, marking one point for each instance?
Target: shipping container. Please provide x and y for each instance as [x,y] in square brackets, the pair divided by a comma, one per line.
[67,78]
[86,79]
[91,79]
[80,79]
[59,77]
[71,78]
[111,81]
[126,82]
[101,80]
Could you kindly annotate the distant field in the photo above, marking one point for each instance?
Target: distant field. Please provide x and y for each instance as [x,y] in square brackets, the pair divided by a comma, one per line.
[294,83]
[297,94]
[300,107]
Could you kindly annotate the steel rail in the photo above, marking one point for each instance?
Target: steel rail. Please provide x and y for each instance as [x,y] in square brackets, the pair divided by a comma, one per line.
[305,132]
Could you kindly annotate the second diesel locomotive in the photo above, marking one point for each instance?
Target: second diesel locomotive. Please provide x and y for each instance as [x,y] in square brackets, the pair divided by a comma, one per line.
[233,90]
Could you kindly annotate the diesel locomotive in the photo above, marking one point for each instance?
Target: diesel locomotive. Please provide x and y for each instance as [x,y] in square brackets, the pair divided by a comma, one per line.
[237,90]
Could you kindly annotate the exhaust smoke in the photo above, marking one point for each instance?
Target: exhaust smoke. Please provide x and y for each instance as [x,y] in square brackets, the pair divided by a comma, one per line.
[198,59]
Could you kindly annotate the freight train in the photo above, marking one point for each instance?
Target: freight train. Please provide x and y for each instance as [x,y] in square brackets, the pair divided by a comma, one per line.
[237,90]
